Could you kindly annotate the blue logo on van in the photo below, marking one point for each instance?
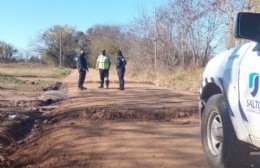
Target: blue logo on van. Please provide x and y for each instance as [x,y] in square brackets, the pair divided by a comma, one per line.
[254,83]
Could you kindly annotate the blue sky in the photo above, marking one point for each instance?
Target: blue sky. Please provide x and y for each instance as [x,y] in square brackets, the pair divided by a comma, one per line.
[22,20]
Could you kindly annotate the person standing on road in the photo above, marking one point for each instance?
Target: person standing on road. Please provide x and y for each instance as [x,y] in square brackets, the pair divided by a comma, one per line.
[103,64]
[120,67]
[82,68]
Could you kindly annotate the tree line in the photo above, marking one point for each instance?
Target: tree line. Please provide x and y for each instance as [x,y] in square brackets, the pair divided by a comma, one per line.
[178,34]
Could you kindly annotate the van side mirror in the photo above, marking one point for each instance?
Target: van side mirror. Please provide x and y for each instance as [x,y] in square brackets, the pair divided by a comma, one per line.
[247,26]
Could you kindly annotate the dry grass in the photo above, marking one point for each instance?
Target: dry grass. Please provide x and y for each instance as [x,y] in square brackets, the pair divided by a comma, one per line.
[184,80]
[31,70]
[28,77]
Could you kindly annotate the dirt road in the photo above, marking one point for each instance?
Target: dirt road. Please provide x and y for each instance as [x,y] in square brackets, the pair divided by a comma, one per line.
[142,126]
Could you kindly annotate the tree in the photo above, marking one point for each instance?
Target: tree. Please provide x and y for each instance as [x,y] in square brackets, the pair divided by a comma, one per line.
[103,37]
[58,45]
[187,32]
[228,9]
[7,52]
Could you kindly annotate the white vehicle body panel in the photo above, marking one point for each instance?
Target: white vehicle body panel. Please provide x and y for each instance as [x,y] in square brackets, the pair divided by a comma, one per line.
[249,90]
[236,72]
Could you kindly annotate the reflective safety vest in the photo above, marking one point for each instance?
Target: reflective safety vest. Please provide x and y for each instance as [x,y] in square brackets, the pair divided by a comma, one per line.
[103,62]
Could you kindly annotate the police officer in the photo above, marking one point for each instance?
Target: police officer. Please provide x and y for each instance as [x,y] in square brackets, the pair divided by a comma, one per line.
[103,63]
[82,67]
[120,66]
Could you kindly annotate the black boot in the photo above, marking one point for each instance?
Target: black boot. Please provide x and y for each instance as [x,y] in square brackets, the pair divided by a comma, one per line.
[121,88]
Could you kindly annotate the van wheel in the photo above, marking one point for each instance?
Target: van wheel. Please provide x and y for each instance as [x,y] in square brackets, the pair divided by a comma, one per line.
[220,144]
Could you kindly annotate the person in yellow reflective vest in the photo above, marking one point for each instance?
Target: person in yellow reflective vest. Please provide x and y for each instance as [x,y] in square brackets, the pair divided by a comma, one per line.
[103,64]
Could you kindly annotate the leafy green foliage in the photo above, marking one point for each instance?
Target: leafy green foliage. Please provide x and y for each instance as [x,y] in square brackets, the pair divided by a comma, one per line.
[58,45]
[103,37]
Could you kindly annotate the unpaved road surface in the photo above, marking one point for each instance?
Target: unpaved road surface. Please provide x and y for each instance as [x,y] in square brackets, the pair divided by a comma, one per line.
[142,126]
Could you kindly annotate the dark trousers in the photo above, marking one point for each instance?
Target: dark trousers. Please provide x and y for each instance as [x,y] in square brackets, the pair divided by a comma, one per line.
[121,74]
[104,73]
[82,76]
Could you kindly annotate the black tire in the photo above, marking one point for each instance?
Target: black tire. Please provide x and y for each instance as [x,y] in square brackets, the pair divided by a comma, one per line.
[220,144]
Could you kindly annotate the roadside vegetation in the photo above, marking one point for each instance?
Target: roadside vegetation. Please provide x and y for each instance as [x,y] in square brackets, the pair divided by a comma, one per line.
[182,80]
[33,77]
[29,76]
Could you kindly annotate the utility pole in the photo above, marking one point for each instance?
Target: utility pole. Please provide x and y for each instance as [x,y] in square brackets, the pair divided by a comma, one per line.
[182,49]
[60,49]
[4,52]
[155,37]
[249,6]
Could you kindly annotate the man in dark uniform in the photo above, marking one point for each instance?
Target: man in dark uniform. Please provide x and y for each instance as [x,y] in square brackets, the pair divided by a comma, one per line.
[120,66]
[82,67]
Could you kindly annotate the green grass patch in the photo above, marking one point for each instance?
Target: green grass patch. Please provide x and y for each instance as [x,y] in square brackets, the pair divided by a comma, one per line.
[14,80]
